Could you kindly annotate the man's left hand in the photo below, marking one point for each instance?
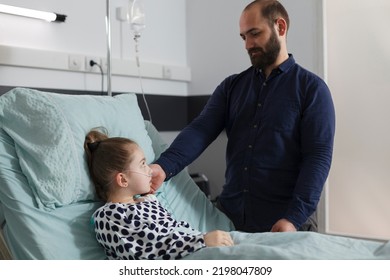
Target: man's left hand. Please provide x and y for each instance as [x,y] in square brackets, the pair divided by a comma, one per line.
[283,225]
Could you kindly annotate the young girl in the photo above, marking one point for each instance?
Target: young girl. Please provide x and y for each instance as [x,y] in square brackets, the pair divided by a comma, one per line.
[132,224]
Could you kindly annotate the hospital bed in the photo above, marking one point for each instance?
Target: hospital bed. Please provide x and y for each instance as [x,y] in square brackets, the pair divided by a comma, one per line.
[47,198]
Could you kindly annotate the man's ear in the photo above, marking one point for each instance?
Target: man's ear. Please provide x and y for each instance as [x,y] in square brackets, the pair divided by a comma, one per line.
[121,180]
[281,26]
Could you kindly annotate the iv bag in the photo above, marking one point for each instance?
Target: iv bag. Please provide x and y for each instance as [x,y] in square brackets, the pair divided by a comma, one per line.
[136,16]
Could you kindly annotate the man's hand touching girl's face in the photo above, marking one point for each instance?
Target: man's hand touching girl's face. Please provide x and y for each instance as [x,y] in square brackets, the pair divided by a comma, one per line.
[158,177]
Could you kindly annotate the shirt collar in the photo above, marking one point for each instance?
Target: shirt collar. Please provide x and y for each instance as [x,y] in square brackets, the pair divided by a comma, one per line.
[284,67]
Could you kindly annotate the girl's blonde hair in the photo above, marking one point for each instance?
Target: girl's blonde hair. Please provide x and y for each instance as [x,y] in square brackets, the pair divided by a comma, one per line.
[107,156]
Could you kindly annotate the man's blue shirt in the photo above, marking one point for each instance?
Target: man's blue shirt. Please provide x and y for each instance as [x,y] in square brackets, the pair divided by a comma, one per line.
[280,140]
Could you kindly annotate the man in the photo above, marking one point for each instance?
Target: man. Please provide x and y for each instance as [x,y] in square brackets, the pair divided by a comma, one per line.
[280,122]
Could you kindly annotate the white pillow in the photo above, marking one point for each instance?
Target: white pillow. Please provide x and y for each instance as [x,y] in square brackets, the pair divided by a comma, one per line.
[49,131]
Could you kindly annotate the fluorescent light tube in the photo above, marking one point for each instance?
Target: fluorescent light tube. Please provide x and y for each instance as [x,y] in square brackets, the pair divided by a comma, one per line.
[48,16]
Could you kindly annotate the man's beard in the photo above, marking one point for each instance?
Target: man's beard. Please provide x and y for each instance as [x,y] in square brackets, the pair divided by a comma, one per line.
[266,56]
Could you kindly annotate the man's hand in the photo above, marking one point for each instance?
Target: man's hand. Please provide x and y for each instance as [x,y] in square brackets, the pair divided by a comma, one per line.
[158,177]
[283,225]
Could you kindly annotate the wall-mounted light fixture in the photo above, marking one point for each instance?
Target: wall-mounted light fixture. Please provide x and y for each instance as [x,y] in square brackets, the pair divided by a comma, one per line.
[48,16]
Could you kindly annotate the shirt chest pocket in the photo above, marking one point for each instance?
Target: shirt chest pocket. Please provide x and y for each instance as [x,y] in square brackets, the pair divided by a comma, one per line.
[280,115]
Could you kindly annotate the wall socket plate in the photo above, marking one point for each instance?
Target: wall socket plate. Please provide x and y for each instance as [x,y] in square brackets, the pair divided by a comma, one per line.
[94,68]
[76,62]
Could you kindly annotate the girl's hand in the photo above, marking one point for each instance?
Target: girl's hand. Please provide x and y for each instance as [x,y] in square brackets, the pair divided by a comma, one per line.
[218,238]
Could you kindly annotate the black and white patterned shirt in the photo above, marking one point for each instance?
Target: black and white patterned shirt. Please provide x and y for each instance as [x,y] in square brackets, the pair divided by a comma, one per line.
[144,230]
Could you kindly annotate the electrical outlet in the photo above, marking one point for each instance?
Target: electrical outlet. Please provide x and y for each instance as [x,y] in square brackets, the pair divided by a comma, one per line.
[92,68]
[76,62]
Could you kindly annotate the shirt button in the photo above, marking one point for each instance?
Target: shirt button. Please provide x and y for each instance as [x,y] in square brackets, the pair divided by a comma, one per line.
[264,84]
[258,104]
[245,168]
[250,146]
[255,126]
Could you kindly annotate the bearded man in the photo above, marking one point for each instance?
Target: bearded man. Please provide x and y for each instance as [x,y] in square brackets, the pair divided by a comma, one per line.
[280,123]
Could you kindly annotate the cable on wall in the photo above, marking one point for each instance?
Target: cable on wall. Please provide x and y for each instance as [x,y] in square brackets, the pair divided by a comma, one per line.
[93,63]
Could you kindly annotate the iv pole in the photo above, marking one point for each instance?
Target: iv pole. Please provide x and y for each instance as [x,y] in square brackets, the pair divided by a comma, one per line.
[108,32]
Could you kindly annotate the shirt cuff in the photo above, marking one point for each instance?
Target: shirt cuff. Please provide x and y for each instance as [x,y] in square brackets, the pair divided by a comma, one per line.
[166,167]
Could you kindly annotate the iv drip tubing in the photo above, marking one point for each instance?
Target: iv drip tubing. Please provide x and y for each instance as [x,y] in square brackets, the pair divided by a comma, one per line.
[140,77]
[108,32]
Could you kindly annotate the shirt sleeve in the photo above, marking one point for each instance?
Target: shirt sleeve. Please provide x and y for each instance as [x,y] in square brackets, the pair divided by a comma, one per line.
[198,135]
[317,137]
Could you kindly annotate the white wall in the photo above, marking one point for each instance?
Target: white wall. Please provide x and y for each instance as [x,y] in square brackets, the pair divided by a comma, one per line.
[215,49]
[200,35]
[358,51]
[84,32]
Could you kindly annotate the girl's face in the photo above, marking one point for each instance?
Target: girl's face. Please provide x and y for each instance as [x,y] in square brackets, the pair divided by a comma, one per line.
[139,173]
